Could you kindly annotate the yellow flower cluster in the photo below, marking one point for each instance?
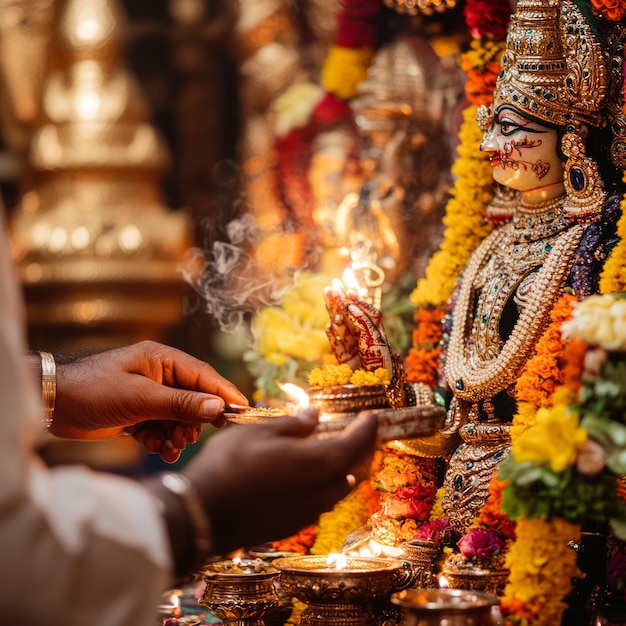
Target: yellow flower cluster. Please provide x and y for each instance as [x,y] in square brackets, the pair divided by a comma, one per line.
[346,516]
[554,439]
[330,375]
[296,327]
[599,320]
[542,566]
[344,69]
[464,219]
[379,376]
[613,277]
[437,511]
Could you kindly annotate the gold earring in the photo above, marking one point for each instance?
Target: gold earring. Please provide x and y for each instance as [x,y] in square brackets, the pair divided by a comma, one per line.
[584,187]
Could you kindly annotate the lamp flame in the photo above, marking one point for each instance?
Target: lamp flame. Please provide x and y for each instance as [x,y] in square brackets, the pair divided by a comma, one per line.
[297,393]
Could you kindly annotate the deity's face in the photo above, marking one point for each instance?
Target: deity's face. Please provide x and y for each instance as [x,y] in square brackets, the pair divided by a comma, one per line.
[523,153]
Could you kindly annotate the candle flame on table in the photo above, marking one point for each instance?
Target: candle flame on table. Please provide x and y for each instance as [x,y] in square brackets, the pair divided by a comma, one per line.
[297,393]
[443,582]
[337,559]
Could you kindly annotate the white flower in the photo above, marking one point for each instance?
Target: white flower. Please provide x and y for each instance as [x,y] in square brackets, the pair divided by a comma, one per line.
[599,320]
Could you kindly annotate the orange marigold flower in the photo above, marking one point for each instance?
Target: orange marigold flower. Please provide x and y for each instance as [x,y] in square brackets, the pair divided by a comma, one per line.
[613,10]
[491,515]
[422,366]
[574,363]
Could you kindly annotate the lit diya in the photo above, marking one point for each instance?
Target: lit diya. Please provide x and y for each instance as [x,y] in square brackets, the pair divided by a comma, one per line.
[340,589]
[339,406]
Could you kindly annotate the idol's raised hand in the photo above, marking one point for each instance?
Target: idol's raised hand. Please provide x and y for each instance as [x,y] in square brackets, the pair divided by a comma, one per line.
[159,394]
[355,331]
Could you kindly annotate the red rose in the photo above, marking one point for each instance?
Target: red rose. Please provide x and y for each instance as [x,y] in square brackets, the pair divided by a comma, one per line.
[487,18]
[414,502]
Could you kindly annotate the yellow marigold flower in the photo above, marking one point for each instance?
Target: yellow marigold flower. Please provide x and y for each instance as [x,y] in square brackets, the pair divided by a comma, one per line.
[378,377]
[554,439]
[330,375]
[542,566]
[344,69]
[464,219]
[613,277]
[346,516]
[437,511]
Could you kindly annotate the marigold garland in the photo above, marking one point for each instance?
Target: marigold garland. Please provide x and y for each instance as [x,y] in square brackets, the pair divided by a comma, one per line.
[481,63]
[613,10]
[543,372]
[491,515]
[298,543]
[422,360]
[613,277]
[345,517]
[464,218]
[542,567]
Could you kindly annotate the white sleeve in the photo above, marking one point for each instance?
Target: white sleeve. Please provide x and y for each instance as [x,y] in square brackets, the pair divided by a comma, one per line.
[77,547]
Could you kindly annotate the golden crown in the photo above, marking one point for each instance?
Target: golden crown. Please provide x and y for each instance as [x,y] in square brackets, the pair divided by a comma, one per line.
[554,67]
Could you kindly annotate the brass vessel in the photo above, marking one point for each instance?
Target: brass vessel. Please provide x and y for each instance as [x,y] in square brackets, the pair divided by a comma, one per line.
[355,595]
[240,596]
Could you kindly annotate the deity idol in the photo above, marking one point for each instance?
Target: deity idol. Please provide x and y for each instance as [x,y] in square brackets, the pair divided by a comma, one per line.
[547,135]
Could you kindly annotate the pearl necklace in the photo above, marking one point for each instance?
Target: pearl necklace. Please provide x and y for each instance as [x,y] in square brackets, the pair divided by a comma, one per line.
[479,364]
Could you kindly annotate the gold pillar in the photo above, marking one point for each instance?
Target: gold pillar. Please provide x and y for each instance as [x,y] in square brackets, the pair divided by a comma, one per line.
[97,250]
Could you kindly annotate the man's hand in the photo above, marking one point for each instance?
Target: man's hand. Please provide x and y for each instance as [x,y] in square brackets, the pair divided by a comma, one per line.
[159,394]
[262,482]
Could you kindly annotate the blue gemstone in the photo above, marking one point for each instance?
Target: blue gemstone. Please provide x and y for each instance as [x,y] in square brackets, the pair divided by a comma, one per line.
[577,178]
[469,465]
[458,482]
[459,384]
[498,454]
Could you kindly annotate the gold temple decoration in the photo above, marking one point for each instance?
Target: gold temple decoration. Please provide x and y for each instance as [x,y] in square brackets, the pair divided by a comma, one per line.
[414,7]
[25,33]
[95,246]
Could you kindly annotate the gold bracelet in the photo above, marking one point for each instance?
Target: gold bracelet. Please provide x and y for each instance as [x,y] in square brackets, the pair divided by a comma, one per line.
[200,523]
[48,387]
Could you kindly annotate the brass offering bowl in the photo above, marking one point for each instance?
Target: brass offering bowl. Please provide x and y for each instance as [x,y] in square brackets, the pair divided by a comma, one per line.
[347,596]
[347,398]
[339,406]
[475,578]
[447,607]
[240,593]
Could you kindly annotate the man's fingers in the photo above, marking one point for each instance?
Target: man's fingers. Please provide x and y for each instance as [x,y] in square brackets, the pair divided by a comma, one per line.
[151,439]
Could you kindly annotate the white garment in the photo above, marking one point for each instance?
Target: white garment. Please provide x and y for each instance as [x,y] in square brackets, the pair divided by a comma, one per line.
[77,548]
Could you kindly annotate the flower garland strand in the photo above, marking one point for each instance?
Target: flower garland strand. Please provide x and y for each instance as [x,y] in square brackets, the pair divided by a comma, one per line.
[613,277]
[541,571]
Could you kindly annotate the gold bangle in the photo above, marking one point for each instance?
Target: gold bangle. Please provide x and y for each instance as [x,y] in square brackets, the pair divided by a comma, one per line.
[48,387]
[199,521]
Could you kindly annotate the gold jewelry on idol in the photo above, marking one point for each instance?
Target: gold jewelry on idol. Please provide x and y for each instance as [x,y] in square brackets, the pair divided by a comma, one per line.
[584,187]
[503,203]
[484,117]
[554,67]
